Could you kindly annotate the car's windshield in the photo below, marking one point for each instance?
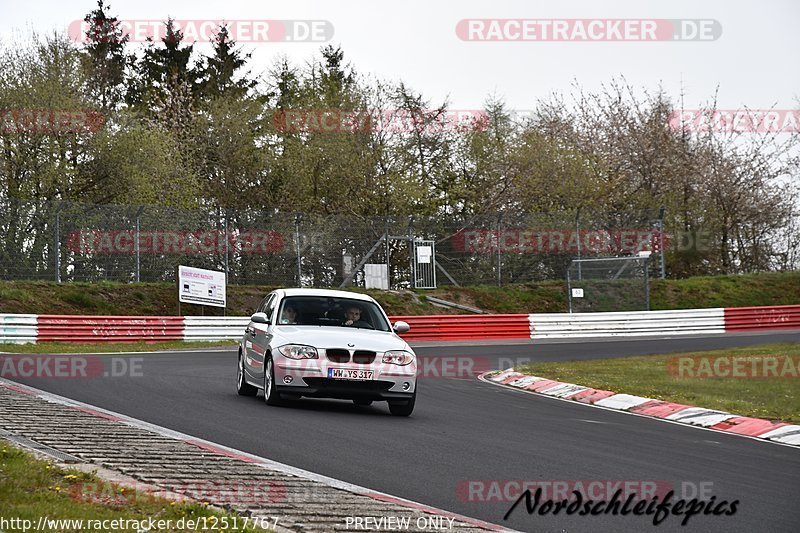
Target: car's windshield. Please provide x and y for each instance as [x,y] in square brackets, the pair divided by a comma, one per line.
[331,311]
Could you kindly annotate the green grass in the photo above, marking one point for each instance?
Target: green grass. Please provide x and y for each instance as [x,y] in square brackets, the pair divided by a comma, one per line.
[140,299]
[650,376]
[57,347]
[768,288]
[31,488]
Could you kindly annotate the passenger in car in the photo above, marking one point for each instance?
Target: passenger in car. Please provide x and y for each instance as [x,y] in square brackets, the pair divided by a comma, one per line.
[352,316]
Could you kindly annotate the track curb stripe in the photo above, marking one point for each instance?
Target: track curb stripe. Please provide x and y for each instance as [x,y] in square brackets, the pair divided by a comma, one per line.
[771,431]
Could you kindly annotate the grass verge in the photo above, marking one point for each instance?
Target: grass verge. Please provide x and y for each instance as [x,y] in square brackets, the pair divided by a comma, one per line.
[31,488]
[160,299]
[58,347]
[656,376]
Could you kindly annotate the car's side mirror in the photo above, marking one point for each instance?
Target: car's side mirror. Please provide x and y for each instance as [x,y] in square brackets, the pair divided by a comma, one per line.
[401,327]
[260,318]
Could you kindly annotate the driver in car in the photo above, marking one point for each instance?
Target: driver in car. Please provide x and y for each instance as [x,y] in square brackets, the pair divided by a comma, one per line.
[289,315]
[352,317]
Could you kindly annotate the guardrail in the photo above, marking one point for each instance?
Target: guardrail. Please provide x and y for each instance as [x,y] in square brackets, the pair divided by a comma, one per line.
[679,322]
[756,318]
[67,328]
[423,327]
[465,327]
[18,329]
[214,328]
[77,328]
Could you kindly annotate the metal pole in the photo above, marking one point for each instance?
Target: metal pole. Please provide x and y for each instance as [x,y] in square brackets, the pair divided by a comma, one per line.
[57,247]
[647,283]
[569,290]
[136,243]
[578,239]
[497,243]
[226,244]
[297,249]
[386,239]
[411,260]
[661,242]
[433,258]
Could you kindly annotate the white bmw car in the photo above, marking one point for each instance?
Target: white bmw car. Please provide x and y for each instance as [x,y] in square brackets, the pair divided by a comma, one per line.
[326,344]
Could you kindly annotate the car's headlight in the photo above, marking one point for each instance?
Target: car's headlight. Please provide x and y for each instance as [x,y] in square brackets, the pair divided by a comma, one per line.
[398,357]
[298,351]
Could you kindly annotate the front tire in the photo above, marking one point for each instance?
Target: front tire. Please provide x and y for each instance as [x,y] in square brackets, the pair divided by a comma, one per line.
[405,408]
[242,386]
[271,395]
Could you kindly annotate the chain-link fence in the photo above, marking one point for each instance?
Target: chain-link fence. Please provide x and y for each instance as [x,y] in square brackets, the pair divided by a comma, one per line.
[609,284]
[64,241]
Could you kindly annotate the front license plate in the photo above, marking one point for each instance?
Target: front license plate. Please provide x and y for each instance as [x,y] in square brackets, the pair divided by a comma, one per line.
[341,373]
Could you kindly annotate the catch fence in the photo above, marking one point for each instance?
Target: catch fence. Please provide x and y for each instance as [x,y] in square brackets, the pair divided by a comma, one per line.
[64,241]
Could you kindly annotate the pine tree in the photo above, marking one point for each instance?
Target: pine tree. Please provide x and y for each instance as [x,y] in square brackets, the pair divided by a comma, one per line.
[218,76]
[163,69]
[104,59]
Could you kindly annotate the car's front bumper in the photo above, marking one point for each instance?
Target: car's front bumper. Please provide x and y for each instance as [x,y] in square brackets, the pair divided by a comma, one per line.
[309,377]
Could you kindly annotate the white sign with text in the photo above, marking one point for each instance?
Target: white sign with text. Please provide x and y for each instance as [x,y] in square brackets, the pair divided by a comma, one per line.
[200,286]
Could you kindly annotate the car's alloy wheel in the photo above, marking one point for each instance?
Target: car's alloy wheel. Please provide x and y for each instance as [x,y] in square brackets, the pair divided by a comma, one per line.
[271,396]
[242,386]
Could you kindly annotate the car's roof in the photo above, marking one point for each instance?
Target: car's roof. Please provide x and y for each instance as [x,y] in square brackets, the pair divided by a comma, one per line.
[327,293]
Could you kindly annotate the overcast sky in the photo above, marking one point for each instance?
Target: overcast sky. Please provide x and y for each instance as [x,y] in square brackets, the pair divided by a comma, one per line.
[753,60]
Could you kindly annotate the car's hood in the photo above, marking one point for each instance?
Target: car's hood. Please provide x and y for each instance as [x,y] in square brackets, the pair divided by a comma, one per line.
[339,337]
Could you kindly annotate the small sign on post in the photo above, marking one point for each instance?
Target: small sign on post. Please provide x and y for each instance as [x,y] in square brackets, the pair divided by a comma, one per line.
[376,276]
[424,254]
[200,286]
[577,293]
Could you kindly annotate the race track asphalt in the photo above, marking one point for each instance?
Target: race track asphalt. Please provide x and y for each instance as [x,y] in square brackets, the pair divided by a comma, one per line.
[465,432]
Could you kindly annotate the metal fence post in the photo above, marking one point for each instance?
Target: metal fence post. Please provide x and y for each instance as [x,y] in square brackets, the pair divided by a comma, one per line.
[226,245]
[136,243]
[661,241]
[411,259]
[647,283]
[57,244]
[297,249]
[569,290]
[497,243]
[578,240]
[386,242]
